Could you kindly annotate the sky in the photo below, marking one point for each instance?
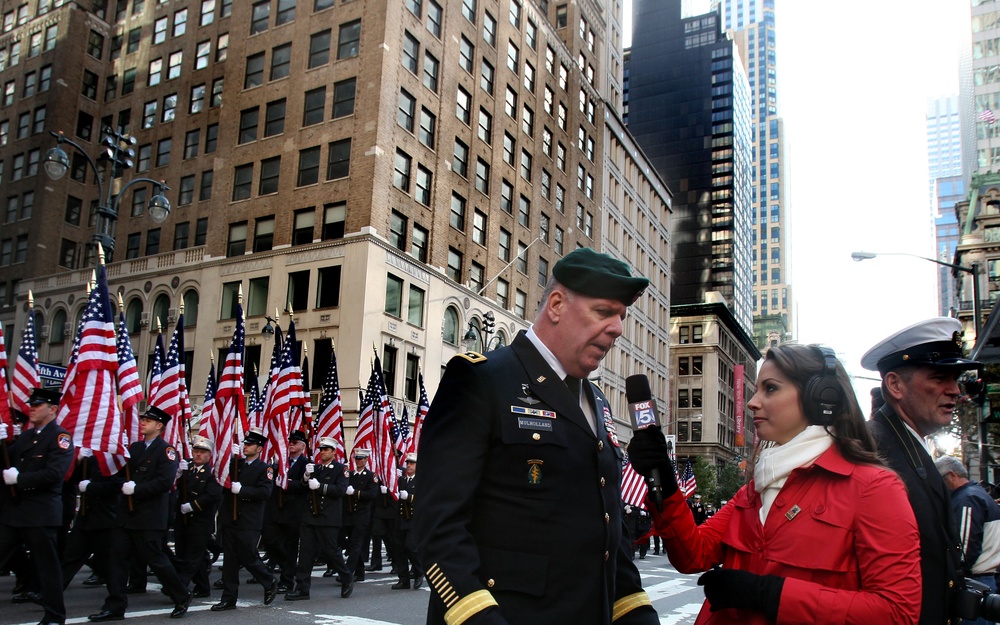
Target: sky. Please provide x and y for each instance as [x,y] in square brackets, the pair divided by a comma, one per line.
[854,77]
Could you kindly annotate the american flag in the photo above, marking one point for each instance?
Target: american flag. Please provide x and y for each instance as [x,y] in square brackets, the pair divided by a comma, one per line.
[404,427]
[388,436]
[26,378]
[286,390]
[171,395]
[330,419]
[208,423]
[988,117]
[229,401]
[686,481]
[307,407]
[129,385]
[156,371]
[93,418]
[418,421]
[255,401]
[633,485]
[262,400]
[6,421]
[364,437]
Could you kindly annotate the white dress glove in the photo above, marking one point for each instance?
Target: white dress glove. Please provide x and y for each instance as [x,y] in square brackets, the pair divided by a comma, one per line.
[404,495]
[383,489]
[236,488]
[83,485]
[310,469]
[628,509]
[186,508]
[350,491]
[236,449]
[313,483]
[128,488]
[10,476]
[86,452]
[183,465]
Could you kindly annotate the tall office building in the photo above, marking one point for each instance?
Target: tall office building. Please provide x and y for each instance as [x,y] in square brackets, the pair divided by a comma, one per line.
[752,25]
[391,172]
[946,188]
[688,104]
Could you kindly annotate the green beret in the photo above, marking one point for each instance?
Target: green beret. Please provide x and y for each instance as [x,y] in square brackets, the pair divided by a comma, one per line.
[599,275]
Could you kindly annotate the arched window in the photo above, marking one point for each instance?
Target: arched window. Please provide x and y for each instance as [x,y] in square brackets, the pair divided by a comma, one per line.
[498,340]
[450,326]
[161,312]
[190,308]
[133,316]
[40,329]
[57,334]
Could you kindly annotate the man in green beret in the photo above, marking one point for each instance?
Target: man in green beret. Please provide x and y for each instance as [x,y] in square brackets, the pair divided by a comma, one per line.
[519,518]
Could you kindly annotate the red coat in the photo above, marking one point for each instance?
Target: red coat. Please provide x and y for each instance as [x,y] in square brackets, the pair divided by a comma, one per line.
[850,554]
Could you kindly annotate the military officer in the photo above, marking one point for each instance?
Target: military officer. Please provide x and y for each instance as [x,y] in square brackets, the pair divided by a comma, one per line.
[142,519]
[327,482]
[39,460]
[198,500]
[283,518]
[241,518]
[520,517]
[361,494]
[406,562]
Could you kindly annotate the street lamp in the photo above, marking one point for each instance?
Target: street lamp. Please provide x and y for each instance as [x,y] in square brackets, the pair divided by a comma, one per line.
[118,151]
[972,270]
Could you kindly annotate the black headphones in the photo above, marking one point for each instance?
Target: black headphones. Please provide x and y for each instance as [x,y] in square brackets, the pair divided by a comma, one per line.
[823,398]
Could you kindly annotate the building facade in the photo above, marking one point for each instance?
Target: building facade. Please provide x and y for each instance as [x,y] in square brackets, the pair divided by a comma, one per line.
[946,188]
[390,173]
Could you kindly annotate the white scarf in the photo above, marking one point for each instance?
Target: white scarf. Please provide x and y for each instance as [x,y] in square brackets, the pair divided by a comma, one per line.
[776,463]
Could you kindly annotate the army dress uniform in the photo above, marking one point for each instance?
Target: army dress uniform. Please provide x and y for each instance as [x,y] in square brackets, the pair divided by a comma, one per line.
[198,488]
[322,516]
[520,518]
[241,517]
[41,457]
[142,525]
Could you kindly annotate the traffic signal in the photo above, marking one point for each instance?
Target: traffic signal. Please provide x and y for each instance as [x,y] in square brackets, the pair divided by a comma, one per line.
[119,150]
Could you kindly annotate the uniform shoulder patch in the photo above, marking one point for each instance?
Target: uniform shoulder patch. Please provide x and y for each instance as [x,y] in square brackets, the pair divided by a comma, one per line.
[473,357]
[64,441]
[270,474]
[171,454]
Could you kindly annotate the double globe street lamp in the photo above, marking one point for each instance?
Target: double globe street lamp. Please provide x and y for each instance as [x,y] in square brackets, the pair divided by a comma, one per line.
[119,152]
[471,337]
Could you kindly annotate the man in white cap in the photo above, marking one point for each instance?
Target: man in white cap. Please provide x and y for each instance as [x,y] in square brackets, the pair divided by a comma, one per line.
[920,368]
[197,505]
[327,481]
[406,540]
[361,495]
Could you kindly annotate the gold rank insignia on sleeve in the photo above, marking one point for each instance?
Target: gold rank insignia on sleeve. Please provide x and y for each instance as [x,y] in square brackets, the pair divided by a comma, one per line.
[473,357]
[626,604]
[459,609]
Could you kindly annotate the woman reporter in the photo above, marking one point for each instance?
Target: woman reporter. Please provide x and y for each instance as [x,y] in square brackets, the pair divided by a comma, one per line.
[822,533]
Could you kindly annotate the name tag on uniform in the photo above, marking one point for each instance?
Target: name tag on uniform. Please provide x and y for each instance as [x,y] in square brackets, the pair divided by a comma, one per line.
[528,423]
[533,412]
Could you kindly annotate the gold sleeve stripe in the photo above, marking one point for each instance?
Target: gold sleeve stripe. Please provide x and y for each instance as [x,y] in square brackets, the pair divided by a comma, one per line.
[469,607]
[441,586]
[626,604]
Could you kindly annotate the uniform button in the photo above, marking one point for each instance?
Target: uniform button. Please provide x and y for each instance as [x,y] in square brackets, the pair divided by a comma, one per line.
[607,519]
[491,583]
[536,436]
[602,482]
[600,445]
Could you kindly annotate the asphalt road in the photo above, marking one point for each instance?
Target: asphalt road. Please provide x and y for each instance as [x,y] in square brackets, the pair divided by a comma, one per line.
[676,597]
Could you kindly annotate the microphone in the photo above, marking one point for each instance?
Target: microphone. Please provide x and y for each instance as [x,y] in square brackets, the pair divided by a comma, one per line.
[642,413]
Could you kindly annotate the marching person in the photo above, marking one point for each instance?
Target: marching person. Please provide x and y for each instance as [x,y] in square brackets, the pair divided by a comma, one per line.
[385,512]
[142,519]
[241,517]
[822,533]
[361,495]
[96,519]
[198,500]
[39,460]
[920,366]
[406,562]
[520,518]
[283,518]
[978,518]
[327,482]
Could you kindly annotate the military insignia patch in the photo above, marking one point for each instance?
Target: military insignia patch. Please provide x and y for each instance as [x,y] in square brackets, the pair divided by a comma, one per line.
[473,357]
[535,472]
[171,454]
[63,441]
[270,473]
[609,426]
[376,479]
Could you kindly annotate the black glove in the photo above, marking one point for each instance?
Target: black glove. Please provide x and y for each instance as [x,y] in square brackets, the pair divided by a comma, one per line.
[647,451]
[732,588]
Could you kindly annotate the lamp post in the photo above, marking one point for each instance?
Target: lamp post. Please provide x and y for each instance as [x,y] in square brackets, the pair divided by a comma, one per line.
[471,337]
[119,153]
[972,270]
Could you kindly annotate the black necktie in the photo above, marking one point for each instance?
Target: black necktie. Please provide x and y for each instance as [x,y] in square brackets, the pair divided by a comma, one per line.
[573,384]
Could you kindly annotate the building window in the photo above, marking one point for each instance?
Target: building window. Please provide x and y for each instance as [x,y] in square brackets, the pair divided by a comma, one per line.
[415,307]
[411,53]
[343,98]
[422,191]
[504,245]
[242,182]
[319,49]
[407,110]
[313,105]
[263,234]
[397,230]
[153,242]
[274,122]
[449,327]
[205,191]
[401,172]
[483,176]
[334,217]
[281,61]
[254,75]
[503,294]
[463,105]
[305,220]
[418,244]
[428,122]
[308,166]
[454,269]
[257,296]
[270,169]
[479,227]
[460,162]
[237,245]
[186,193]
[432,68]
[485,130]
[260,15]
[394,295]
[349,40]
[328,287]
[298,290]
[457,218]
